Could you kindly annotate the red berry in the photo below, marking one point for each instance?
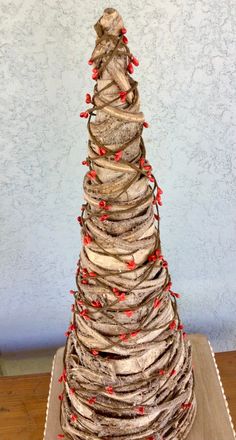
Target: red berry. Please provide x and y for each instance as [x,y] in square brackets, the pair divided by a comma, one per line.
[102,151]
[130,68]
[123,31]
[90,62]
[172,325]
[95,74]
[135,61]
[109,389]
[88,98]
[118,155]
[123,96]
[156,303]
[103,217]
[92,174]
[145,124]
[131,264]
[102,203]
[94,352]
[128,313]
[125,40]
[87,239]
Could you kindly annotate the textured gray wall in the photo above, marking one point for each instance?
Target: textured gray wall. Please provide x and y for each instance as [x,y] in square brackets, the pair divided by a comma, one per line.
[187,85]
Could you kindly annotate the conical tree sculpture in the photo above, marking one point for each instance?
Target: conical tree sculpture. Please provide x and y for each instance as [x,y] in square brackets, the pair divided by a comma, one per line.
[127,363]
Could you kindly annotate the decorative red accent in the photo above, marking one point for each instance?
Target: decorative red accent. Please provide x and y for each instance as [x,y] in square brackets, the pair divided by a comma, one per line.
[135,61]
[142,161]
[125,40]
[172,325]
[176,295]
[107,207]
[140,410]
[118,155]
[95,74]
[92,274]
[147,167]
[128,313]
[123,96]
[123,31]
[60,397]
[131,264]
[156,303]
[72,391]
[84,281]
[168,286]
[162,372]
[85,162]
[72,327]
[130,68]
[102,203]
[103,217]
[80,220]
[186,405]
[122,296]
[90,62]
[145,124]
[173,372]
[88,98]
[115,290]
[73,417]
[164,263]
[96,304]
[151,178]
[94,352]
[72,292]
[102,151]
[62,378]
[67,334]
[123,337]
[152,257]
[73,308]
[151,438]
[109,389]
[92,400]
[84,314]
[80,302]
[60,436]
[133,334]
[157,217]
[87,239]
[180,327]
[92,174]
[84,115]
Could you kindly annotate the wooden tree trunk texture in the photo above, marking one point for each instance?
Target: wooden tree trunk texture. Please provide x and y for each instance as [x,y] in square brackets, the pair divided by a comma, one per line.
[128,365]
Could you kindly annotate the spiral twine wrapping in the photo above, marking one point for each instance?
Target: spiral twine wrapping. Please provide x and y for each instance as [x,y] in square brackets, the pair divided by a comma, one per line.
[127,362]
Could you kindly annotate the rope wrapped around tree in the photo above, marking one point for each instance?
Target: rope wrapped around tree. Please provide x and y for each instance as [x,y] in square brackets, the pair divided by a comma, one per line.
[127,362]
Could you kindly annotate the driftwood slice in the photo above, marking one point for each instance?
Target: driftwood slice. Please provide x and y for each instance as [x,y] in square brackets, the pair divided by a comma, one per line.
[127,363]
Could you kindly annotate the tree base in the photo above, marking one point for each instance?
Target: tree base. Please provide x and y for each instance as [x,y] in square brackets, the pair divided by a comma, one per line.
[212,422]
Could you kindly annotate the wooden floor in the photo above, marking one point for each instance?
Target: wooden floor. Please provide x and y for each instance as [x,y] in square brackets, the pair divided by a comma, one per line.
[23,400]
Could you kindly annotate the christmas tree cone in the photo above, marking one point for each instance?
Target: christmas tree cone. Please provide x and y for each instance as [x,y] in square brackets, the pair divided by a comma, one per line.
[127,361]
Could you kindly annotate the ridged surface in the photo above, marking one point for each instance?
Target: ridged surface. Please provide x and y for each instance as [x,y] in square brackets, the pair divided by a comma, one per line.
[140,382]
